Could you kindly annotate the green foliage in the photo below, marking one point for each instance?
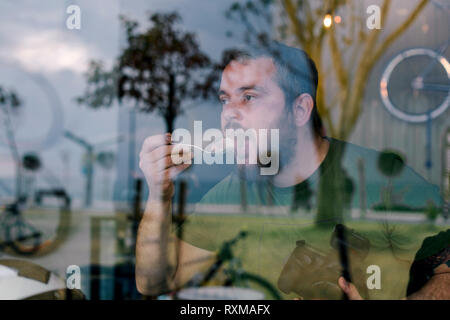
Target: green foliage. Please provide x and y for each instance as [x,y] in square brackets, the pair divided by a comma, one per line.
[390,163]
[106,159]
[158,70]
[31,161]
[101,87]
[432,211]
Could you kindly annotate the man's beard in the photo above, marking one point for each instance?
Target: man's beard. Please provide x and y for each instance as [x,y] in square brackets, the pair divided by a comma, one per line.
[286,152]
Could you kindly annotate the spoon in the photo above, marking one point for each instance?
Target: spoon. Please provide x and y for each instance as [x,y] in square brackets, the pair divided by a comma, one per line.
[215,147]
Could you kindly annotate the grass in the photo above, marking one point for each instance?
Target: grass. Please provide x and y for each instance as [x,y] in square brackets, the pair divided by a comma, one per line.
[272,239]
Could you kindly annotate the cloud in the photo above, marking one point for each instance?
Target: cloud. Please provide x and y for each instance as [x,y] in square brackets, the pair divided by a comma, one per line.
[49,51]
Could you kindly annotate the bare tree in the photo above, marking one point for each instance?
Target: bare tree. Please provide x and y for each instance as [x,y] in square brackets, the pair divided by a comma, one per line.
[354,49]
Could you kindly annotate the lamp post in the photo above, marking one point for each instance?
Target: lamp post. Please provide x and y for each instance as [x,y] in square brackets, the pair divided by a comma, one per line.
[89,164]
[90,148]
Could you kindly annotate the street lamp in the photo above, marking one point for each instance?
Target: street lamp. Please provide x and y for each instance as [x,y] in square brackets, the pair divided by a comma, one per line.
[327,20]
[89,147]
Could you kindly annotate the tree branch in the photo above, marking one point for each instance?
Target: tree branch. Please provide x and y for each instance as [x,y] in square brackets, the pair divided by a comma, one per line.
[321,103]
[402,28]
[350,114]
[295,22]
[369,63]
[337,60]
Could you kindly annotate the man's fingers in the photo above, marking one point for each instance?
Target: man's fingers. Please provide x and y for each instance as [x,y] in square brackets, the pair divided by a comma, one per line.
[153,142]
[165,162]
[168,162]
[157,154]
[168,174]
[349,289]
[176,170]
[166,150]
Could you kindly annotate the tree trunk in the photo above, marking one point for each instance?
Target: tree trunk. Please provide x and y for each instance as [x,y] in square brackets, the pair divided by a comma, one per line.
[243,189]
[331,193]
[169,124]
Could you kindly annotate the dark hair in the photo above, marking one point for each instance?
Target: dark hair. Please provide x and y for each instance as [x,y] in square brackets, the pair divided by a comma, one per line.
[296,72]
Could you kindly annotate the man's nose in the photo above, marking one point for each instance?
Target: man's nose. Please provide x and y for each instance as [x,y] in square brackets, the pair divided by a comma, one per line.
[231,112]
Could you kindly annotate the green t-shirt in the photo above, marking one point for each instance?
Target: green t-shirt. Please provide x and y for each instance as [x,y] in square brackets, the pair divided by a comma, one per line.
[374,194]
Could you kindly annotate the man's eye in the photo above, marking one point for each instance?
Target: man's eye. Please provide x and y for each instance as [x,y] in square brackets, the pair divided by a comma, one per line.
[223,100]
[248,97]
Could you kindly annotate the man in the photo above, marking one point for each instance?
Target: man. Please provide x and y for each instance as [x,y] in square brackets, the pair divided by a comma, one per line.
[276,89]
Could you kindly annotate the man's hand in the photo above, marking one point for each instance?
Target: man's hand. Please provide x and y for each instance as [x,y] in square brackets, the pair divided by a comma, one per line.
[156,260]
[437,288]
[158,168]
[349,289]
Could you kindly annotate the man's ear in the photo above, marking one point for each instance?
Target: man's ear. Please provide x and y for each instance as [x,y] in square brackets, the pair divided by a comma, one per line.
[302,109]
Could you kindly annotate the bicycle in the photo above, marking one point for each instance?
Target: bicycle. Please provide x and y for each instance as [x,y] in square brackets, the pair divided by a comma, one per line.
[235,276]
[17,235]
[20,237]
[409,78]
[415,85]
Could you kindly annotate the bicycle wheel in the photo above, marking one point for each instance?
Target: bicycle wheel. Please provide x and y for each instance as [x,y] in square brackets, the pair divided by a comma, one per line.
[253,281]
[415,85]
[36,232]
[19,235]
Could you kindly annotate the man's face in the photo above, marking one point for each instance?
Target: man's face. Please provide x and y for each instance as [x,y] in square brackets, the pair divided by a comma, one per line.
[250,96]
[252,99]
